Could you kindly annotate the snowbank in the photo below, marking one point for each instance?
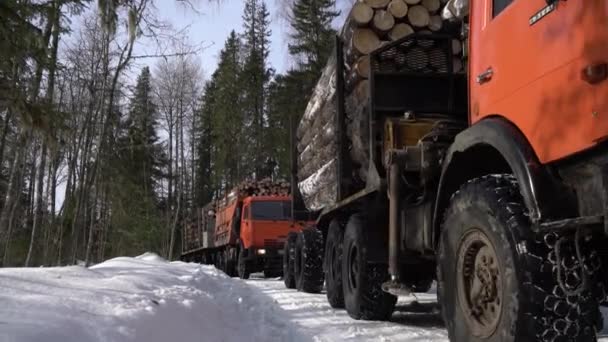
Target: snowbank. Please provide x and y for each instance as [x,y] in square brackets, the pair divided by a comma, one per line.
[136,299]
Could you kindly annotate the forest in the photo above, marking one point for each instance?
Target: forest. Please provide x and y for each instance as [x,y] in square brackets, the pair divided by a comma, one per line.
[96,162]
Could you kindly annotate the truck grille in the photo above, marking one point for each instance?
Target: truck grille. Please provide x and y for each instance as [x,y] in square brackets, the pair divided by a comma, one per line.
[273,244]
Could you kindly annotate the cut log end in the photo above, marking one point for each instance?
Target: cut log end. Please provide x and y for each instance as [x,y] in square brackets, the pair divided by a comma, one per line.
[365,41]
[383,21]
[435,23]
[377,3]
[400,31]
[362,67]
[412,2]
[362,14]
[418,16]
[431,5]
[398,8]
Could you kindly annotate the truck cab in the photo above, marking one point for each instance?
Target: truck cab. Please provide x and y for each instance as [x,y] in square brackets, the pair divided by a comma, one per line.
[265,222]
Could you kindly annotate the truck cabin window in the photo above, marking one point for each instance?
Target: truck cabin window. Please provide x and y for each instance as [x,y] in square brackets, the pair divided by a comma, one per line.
[499,5]
[271,210]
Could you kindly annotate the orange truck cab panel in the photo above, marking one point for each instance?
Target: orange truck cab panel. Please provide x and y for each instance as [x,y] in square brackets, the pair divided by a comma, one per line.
[266,221]
[543,68]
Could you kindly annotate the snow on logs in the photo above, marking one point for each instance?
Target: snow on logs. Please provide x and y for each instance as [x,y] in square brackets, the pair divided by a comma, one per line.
[370,25]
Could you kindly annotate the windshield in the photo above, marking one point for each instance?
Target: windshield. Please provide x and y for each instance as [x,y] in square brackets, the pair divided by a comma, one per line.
[271,210]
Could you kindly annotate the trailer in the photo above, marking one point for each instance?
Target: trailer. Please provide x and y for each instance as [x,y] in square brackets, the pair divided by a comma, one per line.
[494,184]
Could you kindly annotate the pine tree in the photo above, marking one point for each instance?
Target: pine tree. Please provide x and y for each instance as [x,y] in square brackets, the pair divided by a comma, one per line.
[228,117]
[204,145]
[137,171]
[313,36]
[256,76]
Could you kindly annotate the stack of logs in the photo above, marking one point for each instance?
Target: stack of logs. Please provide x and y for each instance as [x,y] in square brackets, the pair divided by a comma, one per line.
[370,25]
[264,187]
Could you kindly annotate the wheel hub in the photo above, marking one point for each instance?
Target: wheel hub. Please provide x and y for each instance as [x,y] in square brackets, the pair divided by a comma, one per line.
[479,283]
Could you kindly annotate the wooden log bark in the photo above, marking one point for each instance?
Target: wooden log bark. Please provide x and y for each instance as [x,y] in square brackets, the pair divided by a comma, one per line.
[398,8]
[400,30]
[412,2]
[375,4]
[361,14]
[357,110]
[325,88]
[383,21]
[418,16]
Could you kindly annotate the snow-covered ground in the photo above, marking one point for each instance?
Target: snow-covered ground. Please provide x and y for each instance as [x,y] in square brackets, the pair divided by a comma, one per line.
[147,299]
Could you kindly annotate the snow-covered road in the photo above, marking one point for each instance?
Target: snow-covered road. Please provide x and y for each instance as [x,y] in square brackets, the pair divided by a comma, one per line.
[147,299]
[411,323]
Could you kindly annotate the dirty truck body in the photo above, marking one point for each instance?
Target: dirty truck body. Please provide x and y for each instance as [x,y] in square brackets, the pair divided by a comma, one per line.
[495,184]
[241,235]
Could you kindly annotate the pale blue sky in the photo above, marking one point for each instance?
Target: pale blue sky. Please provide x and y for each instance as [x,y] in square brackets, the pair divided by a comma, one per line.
[213,24]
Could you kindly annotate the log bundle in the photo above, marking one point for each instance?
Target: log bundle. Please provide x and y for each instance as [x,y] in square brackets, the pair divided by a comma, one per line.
[370,25]
[264,187]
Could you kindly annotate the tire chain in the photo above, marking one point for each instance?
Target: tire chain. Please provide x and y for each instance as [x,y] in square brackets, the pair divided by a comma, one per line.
[561,312]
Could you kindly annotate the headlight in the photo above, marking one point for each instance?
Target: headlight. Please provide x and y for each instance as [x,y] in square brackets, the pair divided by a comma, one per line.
[261,251]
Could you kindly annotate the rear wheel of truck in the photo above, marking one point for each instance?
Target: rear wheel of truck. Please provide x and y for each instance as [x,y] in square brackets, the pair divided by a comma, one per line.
[243,268]
[496,282]
[289,251]
[230,263]
[308,263]
[362,281]
[333,265]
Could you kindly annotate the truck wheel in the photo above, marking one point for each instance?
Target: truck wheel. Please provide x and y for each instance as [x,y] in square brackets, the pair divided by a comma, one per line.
[288,261]
[495,281]
[242,266]
[362,281]
[229,263]
[333,265]
[308,263]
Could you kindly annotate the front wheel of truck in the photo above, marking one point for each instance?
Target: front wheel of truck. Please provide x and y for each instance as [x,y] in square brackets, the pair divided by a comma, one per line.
[243,267]
[496,279]
[308,263]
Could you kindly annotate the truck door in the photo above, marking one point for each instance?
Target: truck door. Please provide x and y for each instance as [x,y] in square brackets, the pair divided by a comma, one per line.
[246,228]
[527,57]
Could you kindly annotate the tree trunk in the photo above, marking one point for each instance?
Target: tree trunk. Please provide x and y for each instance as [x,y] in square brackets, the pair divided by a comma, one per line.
[39,203]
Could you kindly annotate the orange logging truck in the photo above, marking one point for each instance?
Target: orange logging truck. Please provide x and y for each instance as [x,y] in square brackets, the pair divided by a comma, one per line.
[243,232]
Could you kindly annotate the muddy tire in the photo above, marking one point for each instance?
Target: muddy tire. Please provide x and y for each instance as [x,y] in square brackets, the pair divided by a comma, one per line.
[289,255]
[333,265]
[230,263]
[243,268]
[362,281]
[308,263]
[495,282]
